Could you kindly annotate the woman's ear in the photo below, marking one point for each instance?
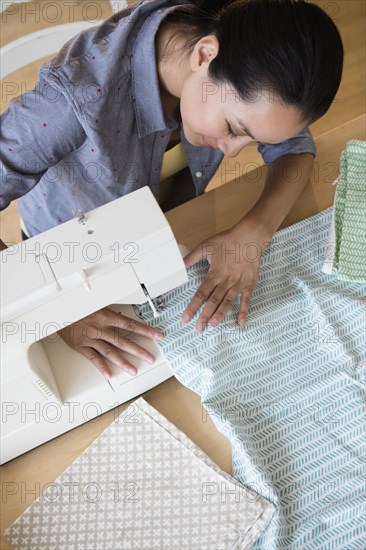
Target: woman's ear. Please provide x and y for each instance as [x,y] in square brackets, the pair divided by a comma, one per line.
[204,52]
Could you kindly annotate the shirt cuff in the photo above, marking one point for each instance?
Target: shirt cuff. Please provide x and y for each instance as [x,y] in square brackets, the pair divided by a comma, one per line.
[301,143]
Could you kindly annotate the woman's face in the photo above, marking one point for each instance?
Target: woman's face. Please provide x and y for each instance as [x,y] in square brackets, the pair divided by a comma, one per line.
[214,116]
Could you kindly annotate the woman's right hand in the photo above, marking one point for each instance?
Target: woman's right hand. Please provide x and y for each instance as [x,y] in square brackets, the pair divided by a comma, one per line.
[106,334]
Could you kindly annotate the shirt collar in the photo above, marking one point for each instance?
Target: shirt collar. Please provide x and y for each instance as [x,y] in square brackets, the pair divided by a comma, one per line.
[145,82]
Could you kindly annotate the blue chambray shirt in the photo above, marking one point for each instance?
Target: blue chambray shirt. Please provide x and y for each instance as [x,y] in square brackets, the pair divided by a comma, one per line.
[93,129]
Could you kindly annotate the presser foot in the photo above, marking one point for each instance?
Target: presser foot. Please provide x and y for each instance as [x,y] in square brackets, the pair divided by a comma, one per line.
[157,305]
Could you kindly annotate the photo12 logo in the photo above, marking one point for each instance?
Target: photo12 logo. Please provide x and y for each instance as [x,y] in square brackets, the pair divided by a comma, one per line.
[72,491]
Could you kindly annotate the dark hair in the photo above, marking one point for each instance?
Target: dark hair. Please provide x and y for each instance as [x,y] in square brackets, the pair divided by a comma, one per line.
[290,48]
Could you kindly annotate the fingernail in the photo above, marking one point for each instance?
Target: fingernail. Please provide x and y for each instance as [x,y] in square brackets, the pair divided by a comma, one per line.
[151,359]
[107,374]
[185,318]
[159,336]
[132,371]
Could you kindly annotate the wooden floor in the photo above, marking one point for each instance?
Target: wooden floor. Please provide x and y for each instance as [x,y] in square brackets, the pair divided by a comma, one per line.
[349,16]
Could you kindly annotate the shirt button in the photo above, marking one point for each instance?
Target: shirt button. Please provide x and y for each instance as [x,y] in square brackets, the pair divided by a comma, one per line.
[198,174]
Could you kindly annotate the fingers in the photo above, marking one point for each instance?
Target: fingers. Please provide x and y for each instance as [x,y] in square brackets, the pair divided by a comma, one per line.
[104,335]
[193,257]
[205,290]
[218,304]
[123,343]
[108,351]
[244,306]
[94,357]
[132,326]
[219,298]
[108,348]
[108,342]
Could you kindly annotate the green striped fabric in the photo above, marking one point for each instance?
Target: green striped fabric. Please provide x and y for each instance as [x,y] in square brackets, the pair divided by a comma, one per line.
[349,262]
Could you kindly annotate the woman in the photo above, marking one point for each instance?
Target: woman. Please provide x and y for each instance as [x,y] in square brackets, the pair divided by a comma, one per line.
[168,79]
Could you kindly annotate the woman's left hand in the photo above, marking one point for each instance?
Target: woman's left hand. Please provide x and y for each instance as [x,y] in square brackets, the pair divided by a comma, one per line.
[234,258]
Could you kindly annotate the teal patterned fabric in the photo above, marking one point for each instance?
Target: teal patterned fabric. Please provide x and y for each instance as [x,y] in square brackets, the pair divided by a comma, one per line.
[350,214]
[287,389]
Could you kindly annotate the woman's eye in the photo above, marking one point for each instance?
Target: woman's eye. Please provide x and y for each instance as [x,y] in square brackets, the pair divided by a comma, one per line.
[230,132]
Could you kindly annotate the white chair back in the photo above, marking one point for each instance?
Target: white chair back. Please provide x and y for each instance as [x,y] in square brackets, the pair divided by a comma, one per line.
[48,41]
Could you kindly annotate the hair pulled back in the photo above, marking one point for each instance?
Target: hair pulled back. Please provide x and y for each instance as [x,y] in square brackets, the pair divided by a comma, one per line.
[290,48]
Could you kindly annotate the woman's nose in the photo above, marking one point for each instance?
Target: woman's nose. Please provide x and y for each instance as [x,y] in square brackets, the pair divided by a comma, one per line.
[232,147]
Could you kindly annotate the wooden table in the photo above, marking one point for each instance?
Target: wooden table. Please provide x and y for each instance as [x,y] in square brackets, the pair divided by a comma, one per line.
[27,475]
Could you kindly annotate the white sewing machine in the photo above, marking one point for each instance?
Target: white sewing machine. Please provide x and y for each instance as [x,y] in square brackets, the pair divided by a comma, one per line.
[121,253]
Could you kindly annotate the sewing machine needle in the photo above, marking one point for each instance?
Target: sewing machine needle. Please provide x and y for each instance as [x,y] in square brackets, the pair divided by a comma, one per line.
[111,385]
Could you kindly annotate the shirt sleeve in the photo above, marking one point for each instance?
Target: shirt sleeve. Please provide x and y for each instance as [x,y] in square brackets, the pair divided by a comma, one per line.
[301,143]
[38,129]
